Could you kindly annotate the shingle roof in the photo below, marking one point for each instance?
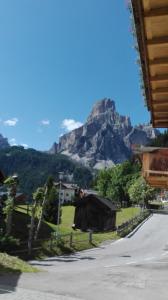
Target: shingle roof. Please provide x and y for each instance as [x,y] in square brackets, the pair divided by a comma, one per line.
[92,197]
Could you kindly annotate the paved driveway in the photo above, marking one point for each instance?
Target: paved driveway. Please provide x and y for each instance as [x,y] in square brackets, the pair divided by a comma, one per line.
[134,268]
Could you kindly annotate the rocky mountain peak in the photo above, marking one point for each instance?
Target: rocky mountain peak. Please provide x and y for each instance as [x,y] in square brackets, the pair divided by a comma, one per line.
[102,107]
[105,139]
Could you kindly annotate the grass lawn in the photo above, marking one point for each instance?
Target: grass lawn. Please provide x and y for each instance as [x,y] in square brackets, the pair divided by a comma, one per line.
[81,239]
[126,214]
[13,264]
[67,221]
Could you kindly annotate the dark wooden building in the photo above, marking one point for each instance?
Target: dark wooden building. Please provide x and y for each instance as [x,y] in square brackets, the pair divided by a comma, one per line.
[94,213]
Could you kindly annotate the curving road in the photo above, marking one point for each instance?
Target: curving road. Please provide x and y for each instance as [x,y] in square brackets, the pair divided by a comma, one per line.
[134,268]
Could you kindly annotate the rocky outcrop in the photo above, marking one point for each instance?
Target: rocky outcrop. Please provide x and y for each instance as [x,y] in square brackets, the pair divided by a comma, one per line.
[54,148]
[105,139]
[3,142]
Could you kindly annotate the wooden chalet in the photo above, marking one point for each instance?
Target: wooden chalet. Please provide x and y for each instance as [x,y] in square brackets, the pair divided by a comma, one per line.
[151,23]
[94,213]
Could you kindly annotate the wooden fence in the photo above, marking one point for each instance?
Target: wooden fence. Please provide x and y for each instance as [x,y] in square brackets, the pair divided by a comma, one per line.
[71,238]
[132,223]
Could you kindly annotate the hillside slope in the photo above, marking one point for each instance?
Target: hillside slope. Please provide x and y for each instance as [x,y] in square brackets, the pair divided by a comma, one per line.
[33,167]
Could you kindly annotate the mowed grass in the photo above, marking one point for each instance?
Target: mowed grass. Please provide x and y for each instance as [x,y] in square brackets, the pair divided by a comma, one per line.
[12,264]
[81,239]
[123,215]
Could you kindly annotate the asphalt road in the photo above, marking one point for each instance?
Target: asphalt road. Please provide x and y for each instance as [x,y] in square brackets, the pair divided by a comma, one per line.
[134,268]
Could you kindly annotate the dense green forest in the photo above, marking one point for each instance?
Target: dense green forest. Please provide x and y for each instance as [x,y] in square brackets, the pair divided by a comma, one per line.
[161,140]
[33,167]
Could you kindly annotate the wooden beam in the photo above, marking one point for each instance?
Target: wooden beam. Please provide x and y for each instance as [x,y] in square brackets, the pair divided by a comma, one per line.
[161,77]
[160,90]
[158,61]
[160,101]
[138,12]
[157,12]
[156,184]
[160,109]
[157,41]
[156,172]
[161,119]
[160,125]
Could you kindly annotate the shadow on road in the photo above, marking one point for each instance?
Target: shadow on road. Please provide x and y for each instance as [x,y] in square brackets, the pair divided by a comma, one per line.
[66,259]
[8,280]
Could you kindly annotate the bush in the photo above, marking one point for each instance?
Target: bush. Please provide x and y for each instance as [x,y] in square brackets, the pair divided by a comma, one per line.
[155,206]
[8,243]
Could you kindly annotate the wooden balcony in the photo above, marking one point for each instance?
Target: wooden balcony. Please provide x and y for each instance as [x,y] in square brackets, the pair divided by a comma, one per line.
[155,166]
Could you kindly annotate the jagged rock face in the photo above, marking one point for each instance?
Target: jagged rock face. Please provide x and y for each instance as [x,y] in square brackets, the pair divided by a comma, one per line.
[105,139]
[3,142]
[54,149]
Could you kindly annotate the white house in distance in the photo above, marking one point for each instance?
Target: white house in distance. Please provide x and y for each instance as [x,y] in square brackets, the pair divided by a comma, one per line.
[66,190]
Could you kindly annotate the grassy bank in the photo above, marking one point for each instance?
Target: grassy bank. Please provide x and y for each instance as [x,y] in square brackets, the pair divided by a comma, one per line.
[80,239]
[13,264]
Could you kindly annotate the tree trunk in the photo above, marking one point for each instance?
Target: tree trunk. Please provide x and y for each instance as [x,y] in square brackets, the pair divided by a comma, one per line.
[9,217]
[41,216]
[31,228]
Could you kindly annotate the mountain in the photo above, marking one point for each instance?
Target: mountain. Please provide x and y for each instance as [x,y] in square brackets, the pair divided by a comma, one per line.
[3,142]
[105,139]
[33,168]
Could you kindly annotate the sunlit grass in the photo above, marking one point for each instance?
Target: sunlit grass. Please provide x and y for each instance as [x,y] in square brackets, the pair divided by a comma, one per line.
[81,239]
[14,264]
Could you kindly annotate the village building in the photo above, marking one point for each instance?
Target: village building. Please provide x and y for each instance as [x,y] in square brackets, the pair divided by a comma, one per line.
[66,192]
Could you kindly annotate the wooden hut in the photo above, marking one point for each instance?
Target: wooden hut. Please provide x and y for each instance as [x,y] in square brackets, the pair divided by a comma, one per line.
[94,213]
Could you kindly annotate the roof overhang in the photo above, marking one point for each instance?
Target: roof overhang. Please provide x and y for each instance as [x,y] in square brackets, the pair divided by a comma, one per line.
[151,23]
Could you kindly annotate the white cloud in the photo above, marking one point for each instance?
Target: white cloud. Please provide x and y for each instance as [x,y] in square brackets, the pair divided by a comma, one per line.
[69,124]
[45,122]
[13,142]
[25,146]
[11,122]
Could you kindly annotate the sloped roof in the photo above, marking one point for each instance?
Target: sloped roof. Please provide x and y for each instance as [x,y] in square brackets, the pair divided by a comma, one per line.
[94,198]
[70,186]
[151,22]
[2,177]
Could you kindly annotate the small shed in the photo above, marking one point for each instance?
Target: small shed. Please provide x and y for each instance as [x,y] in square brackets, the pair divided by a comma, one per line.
[94,213]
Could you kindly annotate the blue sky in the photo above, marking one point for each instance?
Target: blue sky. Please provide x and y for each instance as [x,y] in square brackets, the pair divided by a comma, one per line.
[57,58]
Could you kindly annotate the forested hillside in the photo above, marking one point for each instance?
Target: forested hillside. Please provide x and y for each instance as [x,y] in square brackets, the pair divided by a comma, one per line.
[33,167]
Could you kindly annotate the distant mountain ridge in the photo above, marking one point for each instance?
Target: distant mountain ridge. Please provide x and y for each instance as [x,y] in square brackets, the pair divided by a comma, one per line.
[105,139]
[33,168]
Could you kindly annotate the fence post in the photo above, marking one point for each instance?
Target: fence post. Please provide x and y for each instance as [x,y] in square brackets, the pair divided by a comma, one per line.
[29,247]
[90,237]
[71,239]
[51,239]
